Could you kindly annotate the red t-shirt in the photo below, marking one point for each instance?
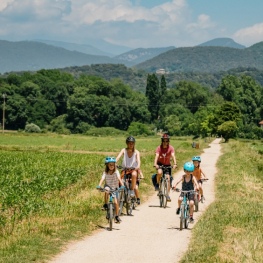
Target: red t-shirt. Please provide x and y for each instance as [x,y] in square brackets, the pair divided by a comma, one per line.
[164,154]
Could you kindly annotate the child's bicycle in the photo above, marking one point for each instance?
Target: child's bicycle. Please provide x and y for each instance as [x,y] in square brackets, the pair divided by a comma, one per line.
[198,198]
[184,209]
[126,200]
[110,206]
[163,189]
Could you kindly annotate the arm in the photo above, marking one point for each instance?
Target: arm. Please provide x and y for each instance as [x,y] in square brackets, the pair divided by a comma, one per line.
[174,160]
[120,154]
[138,159]
[119,178]
[195,183]
[202,173]
[178,181]
[102,179]
[156,159]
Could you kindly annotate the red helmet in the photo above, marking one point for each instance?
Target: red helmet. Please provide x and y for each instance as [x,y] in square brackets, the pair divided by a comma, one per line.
[165,136]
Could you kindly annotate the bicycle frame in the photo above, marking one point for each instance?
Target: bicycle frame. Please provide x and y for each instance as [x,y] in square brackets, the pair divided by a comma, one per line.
[185,209]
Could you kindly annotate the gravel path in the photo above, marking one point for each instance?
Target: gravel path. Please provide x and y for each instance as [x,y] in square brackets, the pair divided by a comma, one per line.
[151,235]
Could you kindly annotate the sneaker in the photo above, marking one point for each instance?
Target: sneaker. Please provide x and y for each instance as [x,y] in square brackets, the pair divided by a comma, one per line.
[138,201]
[117,220]
[105,207]
[178,211]
[156,187]
[132,193]
[168,199]
[191,219]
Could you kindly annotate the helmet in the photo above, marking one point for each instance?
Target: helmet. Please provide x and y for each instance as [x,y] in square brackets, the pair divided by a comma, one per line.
[130,139]
[196,158]
[189,166]
[110,160]
[165,136]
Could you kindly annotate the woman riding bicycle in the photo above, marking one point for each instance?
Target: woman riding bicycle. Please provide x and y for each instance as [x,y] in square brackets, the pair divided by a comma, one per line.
[163,155]
[131,159]
[188,183]
[112,179]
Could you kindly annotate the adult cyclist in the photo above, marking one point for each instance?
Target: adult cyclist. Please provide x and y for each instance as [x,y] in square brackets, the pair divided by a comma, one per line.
[163,155]
[131,158]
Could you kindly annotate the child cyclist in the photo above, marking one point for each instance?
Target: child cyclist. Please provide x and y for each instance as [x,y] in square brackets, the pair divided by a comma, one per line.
[112,179]
[198,172]
[188,183]
[131,158]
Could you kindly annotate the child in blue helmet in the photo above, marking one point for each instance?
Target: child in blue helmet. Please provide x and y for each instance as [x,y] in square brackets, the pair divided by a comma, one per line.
[112,179]
[188,183]
[199,174]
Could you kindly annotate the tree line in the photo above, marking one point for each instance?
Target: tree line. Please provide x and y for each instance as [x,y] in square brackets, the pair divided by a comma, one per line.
[57,101]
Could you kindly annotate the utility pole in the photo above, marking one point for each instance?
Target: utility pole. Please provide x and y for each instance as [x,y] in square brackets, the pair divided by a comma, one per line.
[4,97]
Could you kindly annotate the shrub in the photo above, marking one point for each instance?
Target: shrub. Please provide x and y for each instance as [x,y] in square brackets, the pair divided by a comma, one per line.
[31,127]
[104,131]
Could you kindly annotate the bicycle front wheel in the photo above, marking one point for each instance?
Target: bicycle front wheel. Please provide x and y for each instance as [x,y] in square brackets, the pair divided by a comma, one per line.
[196,202]
[186,217]
[161,196]
[110,215]
[182,217]
[121,201]
[165,193]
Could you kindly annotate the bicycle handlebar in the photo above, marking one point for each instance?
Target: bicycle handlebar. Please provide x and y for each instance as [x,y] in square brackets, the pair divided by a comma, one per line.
[184,191]
[125,168]
[109,190]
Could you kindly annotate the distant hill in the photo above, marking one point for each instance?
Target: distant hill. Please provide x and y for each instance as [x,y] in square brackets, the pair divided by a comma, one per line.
[87,49]
[205,59]
[139,55]
[222,42]
[31,56]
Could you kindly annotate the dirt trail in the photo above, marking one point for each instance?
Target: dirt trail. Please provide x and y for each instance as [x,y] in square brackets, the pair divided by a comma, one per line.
[151,235]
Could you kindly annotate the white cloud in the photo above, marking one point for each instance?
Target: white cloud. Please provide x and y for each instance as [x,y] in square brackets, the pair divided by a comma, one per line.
[249,35]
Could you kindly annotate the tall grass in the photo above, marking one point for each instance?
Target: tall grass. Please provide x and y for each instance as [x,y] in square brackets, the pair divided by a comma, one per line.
[231,230]
[48,196]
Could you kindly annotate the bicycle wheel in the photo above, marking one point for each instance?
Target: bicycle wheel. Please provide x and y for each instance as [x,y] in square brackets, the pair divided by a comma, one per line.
[196,202]
[121,202]
[128,203]
[161,197]
[165,193]
[182,217]
[186,217]
[110,215]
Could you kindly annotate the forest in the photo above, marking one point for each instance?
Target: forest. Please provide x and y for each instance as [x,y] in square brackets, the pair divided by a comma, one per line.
[58,101]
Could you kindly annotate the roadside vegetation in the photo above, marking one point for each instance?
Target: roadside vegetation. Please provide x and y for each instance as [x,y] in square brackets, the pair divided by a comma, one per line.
[231,229]
[48,196]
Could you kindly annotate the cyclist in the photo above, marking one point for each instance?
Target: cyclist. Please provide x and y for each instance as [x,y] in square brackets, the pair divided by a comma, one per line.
[198,172]
[163,155]
[188,183]
[112,179]
[131,158]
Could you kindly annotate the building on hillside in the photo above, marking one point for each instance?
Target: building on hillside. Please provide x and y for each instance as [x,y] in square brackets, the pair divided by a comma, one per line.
[160,71]
[261,124]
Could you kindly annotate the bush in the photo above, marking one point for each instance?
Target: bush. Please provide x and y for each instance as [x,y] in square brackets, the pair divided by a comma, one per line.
[31,127]
[104,131]
[58,125]
[137,128]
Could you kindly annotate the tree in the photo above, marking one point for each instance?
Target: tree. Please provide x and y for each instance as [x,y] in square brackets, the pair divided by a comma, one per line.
[227,129]
[153,94]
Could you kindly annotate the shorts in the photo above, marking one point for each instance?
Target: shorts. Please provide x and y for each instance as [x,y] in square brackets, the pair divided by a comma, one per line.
[189,196]
[129,172]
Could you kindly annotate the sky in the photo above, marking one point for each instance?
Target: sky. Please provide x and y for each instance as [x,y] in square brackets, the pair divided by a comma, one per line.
[132,23]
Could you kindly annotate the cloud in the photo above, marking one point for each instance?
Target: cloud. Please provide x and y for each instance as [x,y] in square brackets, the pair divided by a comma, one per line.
[116,21]
[250,35]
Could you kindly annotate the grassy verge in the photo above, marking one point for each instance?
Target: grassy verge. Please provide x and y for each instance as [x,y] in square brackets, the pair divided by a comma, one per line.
[48,196]
[231,230]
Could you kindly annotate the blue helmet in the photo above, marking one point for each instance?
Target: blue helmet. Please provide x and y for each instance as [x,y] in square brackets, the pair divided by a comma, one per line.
[196,158]
[189,166]
[110,160]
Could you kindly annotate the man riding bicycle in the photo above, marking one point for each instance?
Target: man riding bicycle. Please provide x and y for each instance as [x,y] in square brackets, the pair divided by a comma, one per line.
[163,155]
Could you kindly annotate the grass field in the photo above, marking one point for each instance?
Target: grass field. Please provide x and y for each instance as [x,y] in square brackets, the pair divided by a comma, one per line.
[231,230]
[47,188]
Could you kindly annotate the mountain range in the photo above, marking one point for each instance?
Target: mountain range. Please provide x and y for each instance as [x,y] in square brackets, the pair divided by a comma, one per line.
[214,55]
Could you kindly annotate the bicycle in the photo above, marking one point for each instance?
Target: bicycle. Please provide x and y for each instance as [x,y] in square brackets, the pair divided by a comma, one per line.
[197,199]
[185,208]
[125,198]
[163,190]
[110,206]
